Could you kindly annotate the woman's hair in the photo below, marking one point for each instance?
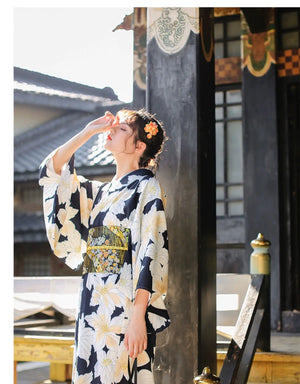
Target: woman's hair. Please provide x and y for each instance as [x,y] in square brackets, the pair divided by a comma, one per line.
[138,120]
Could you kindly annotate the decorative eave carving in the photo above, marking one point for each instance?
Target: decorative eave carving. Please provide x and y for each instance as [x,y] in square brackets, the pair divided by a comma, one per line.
[219,12]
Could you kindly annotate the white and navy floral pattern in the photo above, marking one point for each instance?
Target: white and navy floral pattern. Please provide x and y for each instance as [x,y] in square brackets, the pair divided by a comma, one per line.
[75,208]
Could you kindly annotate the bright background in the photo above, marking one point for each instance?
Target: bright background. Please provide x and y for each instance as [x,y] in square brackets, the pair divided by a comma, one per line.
[70,42]
[76,44]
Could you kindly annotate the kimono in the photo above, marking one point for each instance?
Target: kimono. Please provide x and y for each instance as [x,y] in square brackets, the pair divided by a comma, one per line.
[117,233]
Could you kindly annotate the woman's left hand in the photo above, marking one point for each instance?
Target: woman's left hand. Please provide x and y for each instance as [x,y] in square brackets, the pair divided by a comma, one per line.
[136,335]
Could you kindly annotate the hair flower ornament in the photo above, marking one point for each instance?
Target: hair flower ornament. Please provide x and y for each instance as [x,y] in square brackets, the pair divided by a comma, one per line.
[151,129]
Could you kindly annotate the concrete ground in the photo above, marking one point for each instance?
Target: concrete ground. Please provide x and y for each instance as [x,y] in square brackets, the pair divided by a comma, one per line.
[38,372]
[285,343]
[33,373]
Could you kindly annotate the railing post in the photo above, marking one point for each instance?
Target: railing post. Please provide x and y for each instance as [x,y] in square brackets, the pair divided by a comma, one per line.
[207,377]
[260,265]
[260,258]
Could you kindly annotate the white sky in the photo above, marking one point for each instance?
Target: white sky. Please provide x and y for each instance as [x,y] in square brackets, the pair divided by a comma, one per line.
[76,44]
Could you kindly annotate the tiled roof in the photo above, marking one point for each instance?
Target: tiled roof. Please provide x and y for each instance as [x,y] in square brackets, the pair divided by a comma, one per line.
[39,89]
[82,104]
[29,227]
[33,146]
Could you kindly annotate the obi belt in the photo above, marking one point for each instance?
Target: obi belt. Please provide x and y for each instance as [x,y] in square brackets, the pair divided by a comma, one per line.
[106,249]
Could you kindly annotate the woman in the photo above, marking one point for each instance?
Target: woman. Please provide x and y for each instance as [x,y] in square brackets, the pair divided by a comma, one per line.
[117,232]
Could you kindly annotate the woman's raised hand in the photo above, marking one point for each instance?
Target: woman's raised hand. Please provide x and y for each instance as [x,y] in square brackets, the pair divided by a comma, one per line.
[65,151]
[102,124]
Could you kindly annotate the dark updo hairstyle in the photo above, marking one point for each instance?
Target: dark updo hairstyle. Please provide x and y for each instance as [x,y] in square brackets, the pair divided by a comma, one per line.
[137,120]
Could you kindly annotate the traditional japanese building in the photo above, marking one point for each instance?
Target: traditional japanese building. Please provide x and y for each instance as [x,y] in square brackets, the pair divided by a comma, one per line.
[226,83]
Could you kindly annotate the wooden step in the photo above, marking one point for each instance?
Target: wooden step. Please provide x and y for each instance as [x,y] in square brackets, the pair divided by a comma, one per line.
[270,367]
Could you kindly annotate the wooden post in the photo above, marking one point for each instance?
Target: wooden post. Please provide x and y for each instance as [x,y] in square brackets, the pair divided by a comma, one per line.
[60,372]
[180,90]
[260,264]
[261,179]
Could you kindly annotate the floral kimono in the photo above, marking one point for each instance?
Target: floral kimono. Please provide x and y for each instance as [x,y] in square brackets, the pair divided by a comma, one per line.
[117,232]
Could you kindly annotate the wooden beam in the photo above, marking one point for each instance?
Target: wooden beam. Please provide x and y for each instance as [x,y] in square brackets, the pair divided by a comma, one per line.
[246,360]
[246,330]
[257,18]
[219,12]
[270,367]
[56,350]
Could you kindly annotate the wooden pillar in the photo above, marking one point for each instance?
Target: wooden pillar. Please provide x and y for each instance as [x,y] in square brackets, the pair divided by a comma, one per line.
[260,141]
[180,90]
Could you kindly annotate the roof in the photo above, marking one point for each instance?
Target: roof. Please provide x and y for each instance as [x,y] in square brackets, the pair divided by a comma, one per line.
[39,89]
[29,227]
[33,146]
[82,104]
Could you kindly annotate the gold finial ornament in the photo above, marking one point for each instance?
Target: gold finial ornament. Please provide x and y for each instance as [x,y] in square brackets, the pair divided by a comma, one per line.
[260,241]
[260,258]
[206,377]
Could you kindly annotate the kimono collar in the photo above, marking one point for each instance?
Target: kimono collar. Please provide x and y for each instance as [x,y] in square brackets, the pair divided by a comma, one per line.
[131,177]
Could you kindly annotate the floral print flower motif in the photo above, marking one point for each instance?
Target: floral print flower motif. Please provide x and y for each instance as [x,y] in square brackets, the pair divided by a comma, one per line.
[85,334]
[107,294]
[125,283]
[105,361]
[151,128]
[82,379]
[106,330]
[122,364]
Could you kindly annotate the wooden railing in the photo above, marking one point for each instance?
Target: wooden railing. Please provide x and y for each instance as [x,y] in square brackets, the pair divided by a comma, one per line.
[252,329]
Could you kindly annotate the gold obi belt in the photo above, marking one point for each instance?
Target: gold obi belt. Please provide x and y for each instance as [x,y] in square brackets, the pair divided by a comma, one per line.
[106,249]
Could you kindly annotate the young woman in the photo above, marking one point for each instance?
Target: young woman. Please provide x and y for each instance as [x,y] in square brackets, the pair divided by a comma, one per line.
[117,232]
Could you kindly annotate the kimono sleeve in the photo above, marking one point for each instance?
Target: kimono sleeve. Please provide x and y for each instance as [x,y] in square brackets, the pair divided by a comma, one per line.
[67,203]
[151,271]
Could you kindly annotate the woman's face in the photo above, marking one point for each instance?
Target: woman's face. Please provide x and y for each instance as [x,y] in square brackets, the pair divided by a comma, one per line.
[121,138]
